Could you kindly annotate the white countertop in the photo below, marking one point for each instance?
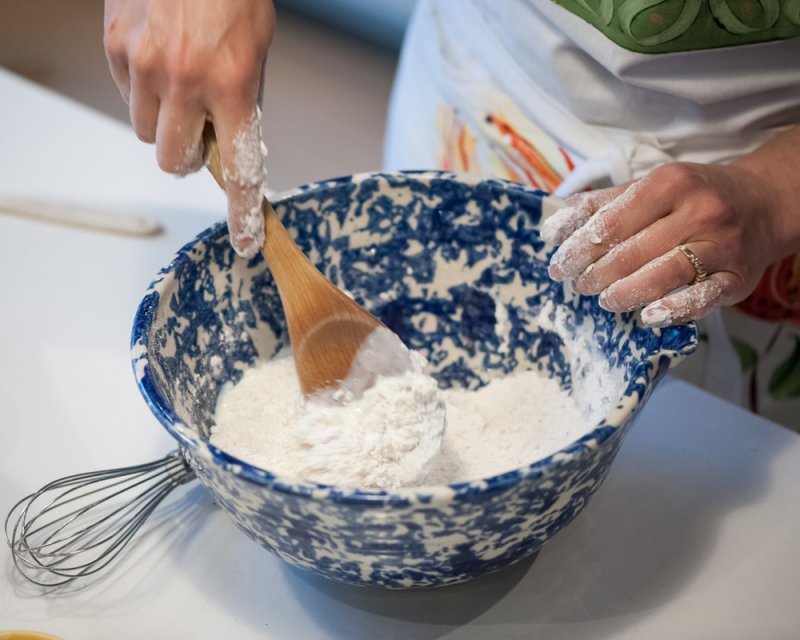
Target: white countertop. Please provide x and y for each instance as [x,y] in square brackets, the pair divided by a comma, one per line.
[695,534]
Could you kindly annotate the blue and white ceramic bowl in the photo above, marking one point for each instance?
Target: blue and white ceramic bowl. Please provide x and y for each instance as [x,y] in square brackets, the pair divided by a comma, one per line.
[456,267]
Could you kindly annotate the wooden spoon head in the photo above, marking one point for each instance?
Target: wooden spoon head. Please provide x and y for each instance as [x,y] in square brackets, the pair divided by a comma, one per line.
[325,354]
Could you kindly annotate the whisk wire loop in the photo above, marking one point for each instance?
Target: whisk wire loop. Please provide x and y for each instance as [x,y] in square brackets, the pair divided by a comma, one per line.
[75,526]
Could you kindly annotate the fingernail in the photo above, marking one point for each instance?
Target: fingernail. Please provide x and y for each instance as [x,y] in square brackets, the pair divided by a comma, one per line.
[247,242]
[555,272]
[609,301]
[246,247]
[586,283]
[656,315]
[254,242]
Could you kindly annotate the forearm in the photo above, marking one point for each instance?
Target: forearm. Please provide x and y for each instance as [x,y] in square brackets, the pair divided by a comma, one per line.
[776,166]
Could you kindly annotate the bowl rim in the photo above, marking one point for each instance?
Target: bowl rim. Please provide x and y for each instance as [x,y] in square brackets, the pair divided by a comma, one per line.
[640,384]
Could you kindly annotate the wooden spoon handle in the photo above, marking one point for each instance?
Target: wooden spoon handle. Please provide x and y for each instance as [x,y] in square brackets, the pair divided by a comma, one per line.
[211,151]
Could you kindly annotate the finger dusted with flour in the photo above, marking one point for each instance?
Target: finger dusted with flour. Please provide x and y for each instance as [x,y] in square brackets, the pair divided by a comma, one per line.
[613,223]
[242,153]
[575,213]
[691,303]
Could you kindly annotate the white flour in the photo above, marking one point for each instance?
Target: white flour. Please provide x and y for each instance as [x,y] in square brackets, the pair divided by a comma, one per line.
[380,429]
[595,386]
[510,422]
[401,431]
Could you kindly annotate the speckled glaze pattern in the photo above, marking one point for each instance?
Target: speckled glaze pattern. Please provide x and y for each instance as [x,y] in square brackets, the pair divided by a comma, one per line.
[438,257]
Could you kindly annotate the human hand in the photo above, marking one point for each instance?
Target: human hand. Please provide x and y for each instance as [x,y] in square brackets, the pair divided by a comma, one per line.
[623,242]
[179,63]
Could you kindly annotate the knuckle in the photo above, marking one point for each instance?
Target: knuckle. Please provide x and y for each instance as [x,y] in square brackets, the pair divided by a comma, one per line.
[181,75]
[184,67]
[143,61]
[578,199]
[734,239]
[712,210]
[113,44]
[676,174]
[236,80]
[628,259]
[599,229]
[114,38]
[620,262]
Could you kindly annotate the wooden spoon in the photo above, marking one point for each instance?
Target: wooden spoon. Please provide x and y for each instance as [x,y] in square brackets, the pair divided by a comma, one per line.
[326,327]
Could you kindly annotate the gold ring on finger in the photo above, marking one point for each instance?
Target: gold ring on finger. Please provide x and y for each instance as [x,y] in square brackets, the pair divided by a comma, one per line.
[700,271]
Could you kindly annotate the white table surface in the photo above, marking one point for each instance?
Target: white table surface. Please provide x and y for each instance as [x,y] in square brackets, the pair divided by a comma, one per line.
[695,534]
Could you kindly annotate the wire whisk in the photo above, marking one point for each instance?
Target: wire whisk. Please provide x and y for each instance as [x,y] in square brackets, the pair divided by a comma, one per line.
[75,526]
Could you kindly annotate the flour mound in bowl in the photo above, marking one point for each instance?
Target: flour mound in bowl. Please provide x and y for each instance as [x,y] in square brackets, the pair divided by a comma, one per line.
[379,429]
[389,425]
